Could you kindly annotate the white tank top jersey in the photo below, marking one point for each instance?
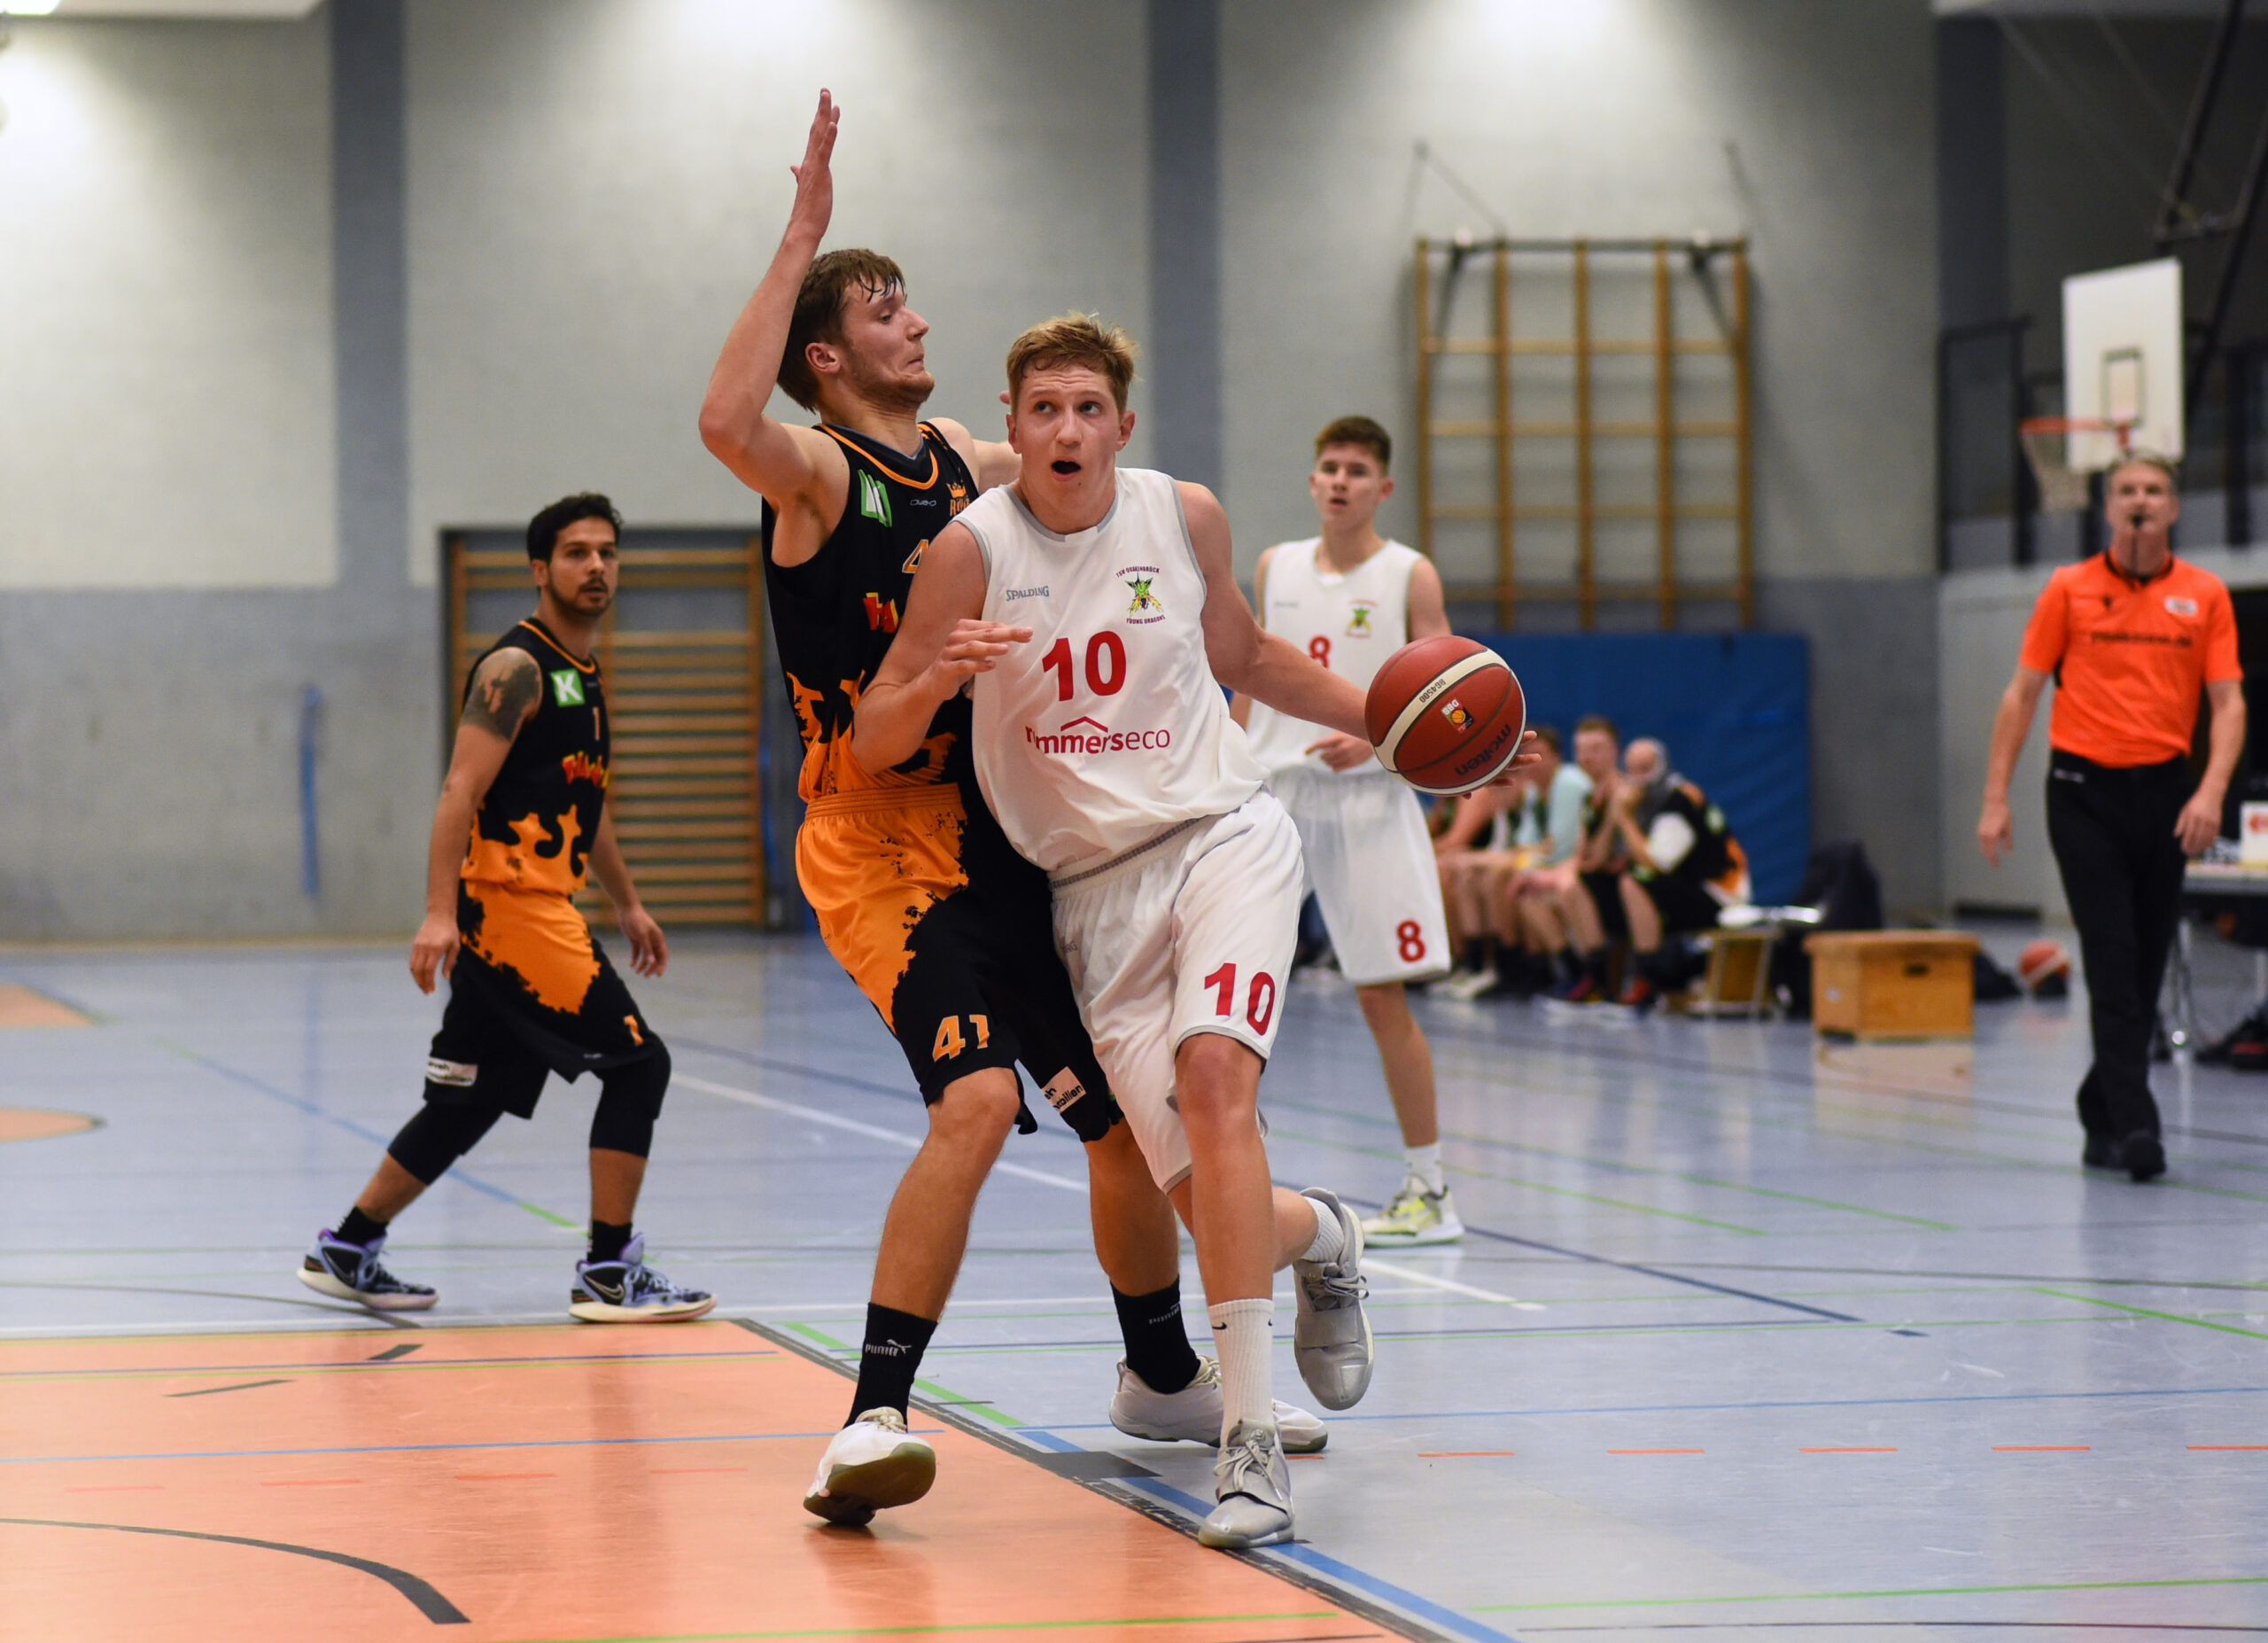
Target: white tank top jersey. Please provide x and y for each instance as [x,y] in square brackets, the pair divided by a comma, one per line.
[1107,727]
[1350,622]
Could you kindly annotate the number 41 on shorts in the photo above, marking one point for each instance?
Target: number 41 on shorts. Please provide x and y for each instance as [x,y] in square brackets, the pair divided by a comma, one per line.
[1260,1000]
[951,1042]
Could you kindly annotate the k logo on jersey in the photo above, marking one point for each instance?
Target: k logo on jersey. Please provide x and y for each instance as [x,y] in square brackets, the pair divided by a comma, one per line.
[567,687]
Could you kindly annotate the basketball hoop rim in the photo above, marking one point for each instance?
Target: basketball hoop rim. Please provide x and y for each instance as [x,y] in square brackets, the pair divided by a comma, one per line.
[2122,427]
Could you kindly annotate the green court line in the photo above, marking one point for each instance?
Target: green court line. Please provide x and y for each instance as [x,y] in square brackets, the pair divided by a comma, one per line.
[1515,1180]
[942,1394]
[556,1221]
[1889,1591]
[2144,1312]
[939,1631]
[1602,1163]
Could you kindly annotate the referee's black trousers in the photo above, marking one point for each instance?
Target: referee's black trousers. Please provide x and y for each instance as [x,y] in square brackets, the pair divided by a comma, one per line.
[2122,865]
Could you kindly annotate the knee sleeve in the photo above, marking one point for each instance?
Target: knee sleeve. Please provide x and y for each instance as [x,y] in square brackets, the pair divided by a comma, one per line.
[630,1099]
[439,1134]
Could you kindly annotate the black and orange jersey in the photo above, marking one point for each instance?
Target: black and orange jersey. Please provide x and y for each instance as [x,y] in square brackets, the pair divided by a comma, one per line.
[835,613]
[535,825]
[1689,838]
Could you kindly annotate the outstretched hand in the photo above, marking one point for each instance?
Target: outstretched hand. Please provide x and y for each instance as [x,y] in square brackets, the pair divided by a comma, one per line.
[814,180]
[975,647]
[1516,772]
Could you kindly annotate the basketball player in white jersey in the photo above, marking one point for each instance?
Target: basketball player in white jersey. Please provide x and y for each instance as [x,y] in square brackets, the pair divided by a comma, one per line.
[1350,598]
[1094,608]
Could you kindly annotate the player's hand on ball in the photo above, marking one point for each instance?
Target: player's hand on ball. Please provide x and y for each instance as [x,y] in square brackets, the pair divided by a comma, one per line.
[1342,751]
[650,949]
[1515,773]
[433,954]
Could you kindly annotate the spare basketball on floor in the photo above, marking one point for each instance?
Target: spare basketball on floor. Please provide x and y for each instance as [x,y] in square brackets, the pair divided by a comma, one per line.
[2044,969]
[1446,715]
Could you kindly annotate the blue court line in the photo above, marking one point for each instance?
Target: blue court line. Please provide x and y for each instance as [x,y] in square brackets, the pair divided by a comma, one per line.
[1347,1572]
[404,1449]
[1818,1402]
[456,1173]
[890,1092]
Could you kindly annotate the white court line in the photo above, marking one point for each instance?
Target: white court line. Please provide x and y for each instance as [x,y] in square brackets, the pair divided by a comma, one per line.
[1371,1264]
[897,1138]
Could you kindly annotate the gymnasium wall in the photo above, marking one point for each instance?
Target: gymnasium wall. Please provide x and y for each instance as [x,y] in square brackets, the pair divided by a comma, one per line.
[1807,127]
[411,264]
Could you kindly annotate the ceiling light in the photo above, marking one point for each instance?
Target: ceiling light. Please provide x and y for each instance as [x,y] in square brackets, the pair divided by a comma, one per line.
[27,8]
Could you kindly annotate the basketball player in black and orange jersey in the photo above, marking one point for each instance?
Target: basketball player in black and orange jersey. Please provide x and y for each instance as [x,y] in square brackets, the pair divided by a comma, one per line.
[522,816]
[918,894]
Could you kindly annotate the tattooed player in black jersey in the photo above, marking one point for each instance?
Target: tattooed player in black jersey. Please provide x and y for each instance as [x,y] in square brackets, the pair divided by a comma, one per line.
[522,815]
[943,927]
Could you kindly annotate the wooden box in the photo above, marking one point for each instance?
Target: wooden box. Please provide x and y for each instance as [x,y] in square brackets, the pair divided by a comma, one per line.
[1738,981]
[1893,984]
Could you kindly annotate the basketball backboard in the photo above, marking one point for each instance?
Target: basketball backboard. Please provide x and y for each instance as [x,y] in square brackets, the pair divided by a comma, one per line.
[2123,359]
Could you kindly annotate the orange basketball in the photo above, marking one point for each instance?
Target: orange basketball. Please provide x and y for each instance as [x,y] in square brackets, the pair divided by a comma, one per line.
[1446,715]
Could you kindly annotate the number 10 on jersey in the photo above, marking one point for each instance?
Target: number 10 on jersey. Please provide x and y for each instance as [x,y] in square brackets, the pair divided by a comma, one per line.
[1105,664]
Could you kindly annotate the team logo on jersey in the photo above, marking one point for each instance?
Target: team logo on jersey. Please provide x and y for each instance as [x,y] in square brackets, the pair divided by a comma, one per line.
[1452,710]
[581,766]
[958,495]
[881,617]
[2180,607]
[874,499]
[1358,619]
[567,687]
[1146,607]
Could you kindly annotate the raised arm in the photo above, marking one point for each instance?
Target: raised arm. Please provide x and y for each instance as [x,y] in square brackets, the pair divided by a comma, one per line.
[504,692]
[1245,656]
[940,646]
[797,470]
[1995,832]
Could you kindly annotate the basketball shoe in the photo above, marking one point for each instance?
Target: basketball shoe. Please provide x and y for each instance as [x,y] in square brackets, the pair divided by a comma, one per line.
[1253,1487]
[1415,1215]
[1192,1415]
[1331,1339]
[352,1272]
[871,1463]
[627,1290]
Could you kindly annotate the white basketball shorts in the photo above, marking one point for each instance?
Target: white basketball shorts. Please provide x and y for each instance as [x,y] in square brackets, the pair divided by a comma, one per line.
[1191,933]
[1371,864]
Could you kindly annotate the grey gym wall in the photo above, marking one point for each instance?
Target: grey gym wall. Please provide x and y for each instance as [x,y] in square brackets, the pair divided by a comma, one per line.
[1808,127]
[176,577]
[595,188]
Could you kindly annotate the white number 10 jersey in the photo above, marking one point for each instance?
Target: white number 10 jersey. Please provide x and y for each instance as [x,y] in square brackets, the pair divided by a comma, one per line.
[1107,727]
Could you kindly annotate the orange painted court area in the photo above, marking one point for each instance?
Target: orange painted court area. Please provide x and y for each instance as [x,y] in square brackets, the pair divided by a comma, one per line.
[552,1483]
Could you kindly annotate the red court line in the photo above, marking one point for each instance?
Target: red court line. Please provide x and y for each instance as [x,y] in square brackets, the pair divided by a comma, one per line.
[1849,1450]
[1462,1454]
[107,1489]
[680,1471]
[2042,1448]
[1658,1451]
[2199,1447]
[304,1482]
[498,1477]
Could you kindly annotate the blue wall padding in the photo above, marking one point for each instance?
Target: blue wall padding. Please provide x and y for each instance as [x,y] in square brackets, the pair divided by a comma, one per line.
[1732,709]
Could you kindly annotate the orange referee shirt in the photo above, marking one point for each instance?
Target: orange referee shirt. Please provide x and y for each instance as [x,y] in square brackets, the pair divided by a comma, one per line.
[2131,659]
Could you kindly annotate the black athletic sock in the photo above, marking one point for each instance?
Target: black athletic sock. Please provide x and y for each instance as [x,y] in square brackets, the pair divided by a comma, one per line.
[359,1228]
[1474,955]
[1157,1340]
[607,1239]
[889,1358]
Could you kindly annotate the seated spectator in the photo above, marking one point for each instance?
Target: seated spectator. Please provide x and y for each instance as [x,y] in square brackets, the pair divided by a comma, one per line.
[1573,909]
[1685,866]
[1537,824]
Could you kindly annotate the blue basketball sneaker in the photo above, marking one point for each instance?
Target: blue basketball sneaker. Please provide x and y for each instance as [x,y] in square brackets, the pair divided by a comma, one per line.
[627,1290]
[352,1272]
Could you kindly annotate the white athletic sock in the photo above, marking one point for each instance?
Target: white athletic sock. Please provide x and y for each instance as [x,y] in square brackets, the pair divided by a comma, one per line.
[1240,1341]
[1330,1237]
[1425,1167]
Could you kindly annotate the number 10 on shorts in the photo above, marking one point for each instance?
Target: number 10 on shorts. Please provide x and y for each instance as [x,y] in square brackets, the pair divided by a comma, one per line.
[1260,1000]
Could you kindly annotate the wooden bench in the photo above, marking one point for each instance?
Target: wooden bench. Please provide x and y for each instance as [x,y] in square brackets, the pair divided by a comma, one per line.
[1893,984]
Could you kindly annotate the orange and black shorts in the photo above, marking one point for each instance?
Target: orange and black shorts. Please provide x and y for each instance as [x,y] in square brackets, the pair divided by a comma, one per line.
[531,993]
[950,936]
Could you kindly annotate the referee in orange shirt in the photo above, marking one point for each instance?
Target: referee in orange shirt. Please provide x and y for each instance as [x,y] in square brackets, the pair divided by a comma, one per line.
[2131,637]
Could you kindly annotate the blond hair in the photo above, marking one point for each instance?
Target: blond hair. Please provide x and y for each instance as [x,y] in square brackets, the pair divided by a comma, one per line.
[2164,465]
[1074,340]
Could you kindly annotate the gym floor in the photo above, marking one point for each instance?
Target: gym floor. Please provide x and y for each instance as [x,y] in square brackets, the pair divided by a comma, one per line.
[1744,1338]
